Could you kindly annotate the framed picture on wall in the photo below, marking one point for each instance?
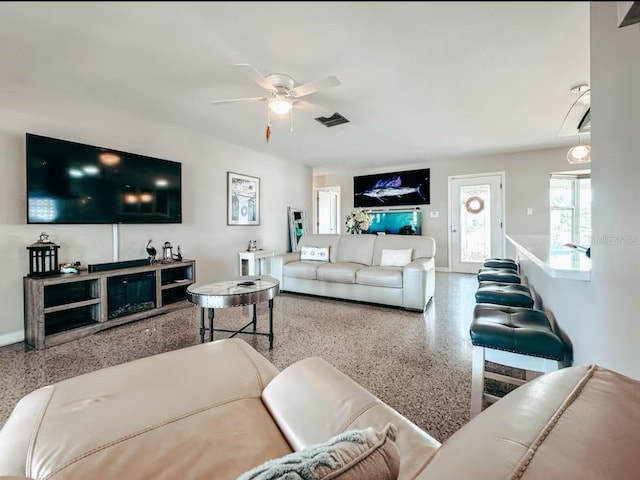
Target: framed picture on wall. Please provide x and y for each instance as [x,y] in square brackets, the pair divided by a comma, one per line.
[243,199]
[410,187]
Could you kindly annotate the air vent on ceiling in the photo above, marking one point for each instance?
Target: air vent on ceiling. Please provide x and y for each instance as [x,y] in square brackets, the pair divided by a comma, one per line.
[333,120]
[628,13]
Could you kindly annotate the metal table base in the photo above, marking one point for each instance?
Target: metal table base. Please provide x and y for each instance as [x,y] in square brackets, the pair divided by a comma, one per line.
[210,312]
[241,291]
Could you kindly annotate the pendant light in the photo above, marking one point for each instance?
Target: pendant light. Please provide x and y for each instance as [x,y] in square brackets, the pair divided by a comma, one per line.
[579,153]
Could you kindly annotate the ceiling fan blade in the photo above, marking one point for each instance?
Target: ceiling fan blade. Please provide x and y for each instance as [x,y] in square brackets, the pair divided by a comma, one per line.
[316,85]
[303,105]
[234,100]
[257,77]
[578,118]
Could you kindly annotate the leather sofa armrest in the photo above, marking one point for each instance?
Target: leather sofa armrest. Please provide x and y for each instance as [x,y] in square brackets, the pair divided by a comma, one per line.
[577,422]
[311,401]
[421,265]
[19,433]
[418,279]
[279,261]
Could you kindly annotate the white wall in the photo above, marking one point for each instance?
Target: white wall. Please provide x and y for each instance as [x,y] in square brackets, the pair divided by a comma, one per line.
[615,76]
[527,186]
[203,235]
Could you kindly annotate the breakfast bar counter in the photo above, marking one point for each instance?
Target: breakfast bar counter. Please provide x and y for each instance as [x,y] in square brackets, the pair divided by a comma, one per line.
[563,262]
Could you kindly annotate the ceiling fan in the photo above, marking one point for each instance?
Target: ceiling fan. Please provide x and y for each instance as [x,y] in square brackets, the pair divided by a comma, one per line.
[282,92]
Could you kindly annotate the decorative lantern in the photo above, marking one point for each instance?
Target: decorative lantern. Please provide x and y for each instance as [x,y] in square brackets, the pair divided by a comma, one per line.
[43,257]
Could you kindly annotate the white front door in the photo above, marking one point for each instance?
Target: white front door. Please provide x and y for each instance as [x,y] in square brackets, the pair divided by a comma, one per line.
[477,221]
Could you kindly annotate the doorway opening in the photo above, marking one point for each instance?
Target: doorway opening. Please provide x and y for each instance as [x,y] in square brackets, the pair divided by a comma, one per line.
[326,210]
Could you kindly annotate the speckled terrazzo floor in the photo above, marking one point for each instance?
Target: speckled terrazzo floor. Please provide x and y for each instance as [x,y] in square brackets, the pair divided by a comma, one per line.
[420,364]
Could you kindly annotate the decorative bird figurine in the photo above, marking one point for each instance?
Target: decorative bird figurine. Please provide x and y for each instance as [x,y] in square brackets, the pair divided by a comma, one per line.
[152,252]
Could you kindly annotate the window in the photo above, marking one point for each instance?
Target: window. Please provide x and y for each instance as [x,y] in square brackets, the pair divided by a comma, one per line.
[570,200]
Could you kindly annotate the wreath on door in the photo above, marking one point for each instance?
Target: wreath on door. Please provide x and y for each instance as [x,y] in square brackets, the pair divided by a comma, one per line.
[474,204]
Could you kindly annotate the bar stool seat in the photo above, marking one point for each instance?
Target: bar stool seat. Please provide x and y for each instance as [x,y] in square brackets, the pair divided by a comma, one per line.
[517,337]
[508,294]
[504,275]
[501,263]
[516,329]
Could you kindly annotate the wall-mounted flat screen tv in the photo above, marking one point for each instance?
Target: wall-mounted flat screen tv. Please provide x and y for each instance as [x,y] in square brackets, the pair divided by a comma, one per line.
[410,187]
[70,182]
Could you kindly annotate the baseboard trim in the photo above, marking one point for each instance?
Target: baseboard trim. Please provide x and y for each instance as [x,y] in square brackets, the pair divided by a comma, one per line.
[10,338]
[443,269]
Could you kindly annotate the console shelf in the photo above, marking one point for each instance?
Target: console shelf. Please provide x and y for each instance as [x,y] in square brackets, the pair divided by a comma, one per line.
[68,306]
[182,283]
[61,308]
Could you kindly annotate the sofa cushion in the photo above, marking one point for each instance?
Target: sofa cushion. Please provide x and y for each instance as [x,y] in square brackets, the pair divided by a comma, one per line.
[352,455]
[423,247]
[321,240]
[343,272]
[356,249]
[311,401]
[159,416]
[302,269]
[395,258]
[317,254]
[380,276]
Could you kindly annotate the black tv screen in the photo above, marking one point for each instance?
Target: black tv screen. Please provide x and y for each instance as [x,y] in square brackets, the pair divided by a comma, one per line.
[70,182]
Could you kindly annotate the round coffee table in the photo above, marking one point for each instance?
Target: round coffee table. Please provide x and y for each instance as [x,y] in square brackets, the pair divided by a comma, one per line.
[237,292]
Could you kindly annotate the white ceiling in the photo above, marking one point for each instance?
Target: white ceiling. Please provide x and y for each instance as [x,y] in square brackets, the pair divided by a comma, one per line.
[420,80]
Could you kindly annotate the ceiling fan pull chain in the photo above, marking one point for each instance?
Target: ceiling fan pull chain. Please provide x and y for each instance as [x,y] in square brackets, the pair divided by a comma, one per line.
[291,119]
[268,132]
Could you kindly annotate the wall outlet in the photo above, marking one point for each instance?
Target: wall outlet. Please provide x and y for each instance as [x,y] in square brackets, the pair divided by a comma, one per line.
[529,211]
[434,214]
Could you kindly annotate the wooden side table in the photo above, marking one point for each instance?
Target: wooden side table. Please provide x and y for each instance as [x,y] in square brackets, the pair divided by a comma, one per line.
[255,261]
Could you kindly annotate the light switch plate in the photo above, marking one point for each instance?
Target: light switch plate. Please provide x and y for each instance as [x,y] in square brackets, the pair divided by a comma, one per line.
[529,211]
[435,214]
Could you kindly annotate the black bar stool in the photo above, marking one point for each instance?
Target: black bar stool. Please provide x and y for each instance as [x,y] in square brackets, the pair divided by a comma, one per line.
[516,337]
[507,294]
[501,263]
[503,275]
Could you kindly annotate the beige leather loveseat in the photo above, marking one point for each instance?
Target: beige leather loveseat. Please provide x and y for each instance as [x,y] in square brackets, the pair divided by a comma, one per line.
[354,270]
[216,410]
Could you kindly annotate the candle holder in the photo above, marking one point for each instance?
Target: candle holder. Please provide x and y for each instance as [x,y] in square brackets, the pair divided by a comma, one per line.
[43,257]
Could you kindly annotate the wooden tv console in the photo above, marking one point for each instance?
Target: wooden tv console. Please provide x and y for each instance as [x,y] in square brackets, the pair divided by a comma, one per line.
[65,307]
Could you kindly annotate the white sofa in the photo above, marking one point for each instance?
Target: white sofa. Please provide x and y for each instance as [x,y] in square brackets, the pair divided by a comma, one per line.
[353,271]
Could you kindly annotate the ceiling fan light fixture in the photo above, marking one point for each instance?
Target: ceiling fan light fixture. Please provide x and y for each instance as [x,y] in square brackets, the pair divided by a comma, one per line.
[280,106]
[579,154]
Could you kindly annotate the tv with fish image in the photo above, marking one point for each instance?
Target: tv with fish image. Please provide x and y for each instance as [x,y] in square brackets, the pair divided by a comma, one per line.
[410,187]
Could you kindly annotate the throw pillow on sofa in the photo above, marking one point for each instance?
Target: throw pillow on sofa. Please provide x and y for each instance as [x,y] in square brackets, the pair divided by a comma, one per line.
[353,455]
[319,254]
[395,258]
